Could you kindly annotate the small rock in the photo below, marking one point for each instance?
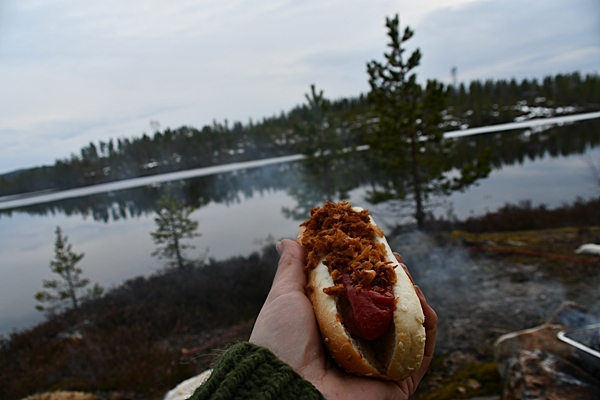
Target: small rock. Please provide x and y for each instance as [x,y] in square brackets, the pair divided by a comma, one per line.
[589,248]
[474,384]
[186,388]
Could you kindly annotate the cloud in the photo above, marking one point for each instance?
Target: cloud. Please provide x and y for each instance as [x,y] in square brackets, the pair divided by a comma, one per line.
[74,72]
[505,39]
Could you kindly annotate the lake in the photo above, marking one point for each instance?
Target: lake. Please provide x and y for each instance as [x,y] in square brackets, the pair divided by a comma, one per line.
[241,211]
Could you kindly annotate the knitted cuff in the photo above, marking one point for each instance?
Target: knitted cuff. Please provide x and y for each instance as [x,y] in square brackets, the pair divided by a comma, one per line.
[247,371]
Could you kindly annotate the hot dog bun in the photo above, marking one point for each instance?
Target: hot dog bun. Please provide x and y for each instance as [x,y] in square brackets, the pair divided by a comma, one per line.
[398,352]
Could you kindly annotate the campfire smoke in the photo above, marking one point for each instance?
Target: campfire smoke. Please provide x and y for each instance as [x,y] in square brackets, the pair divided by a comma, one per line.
[477,299]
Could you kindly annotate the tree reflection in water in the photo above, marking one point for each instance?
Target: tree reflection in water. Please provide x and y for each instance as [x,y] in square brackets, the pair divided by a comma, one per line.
[312,181]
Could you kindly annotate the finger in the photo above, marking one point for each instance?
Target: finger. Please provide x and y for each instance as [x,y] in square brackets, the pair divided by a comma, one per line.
[399,258]
[290,273]
[408,273]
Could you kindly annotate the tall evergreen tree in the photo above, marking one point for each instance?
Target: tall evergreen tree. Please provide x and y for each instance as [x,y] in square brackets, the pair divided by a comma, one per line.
[70,285]
[174,225]
[407,141]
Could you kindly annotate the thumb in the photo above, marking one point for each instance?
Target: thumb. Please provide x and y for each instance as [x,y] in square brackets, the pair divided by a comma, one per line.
[290,273]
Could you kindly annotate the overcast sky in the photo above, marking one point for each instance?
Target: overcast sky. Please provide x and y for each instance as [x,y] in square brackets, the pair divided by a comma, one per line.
[72,71]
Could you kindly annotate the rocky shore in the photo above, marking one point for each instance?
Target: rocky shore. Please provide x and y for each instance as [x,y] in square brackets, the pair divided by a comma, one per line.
[481,295]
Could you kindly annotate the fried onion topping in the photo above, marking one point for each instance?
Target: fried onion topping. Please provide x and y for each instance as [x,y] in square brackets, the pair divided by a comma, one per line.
[346,238]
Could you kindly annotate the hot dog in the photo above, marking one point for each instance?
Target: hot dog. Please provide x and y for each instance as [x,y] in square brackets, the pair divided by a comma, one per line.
[366,306]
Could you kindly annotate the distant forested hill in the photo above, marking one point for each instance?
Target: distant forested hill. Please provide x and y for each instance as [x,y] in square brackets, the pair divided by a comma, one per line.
[476,104]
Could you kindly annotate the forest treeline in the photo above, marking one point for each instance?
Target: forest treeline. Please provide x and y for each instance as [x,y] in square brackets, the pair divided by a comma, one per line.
[479,103]
[308,186]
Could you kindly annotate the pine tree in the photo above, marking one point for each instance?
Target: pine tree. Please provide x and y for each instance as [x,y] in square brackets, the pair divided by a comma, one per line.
[174,225]
[70,285]
[406,141]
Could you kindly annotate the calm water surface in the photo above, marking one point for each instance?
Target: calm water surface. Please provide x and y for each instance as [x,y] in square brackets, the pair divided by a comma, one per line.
[121,249]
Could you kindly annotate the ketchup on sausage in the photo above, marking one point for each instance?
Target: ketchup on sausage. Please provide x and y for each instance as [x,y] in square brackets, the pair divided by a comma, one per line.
[367,313]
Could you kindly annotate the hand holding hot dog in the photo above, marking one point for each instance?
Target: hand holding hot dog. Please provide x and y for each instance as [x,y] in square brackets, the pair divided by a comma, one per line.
[367,307]
[287,326]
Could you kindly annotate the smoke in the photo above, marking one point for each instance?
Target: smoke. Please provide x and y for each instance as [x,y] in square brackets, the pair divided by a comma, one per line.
[477,298]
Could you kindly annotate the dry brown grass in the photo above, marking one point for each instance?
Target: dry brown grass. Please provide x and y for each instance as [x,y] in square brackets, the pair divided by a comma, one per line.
[132,340]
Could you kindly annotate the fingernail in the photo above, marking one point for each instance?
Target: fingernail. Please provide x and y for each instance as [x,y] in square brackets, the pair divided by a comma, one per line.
[279,247]
[398,256]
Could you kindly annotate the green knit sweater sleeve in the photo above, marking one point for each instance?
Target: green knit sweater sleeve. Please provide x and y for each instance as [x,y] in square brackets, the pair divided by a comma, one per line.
[247,371]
